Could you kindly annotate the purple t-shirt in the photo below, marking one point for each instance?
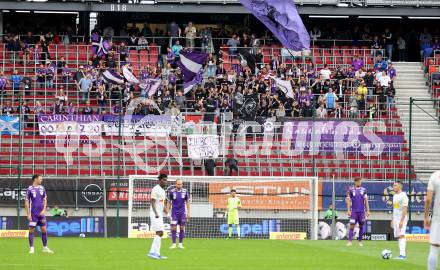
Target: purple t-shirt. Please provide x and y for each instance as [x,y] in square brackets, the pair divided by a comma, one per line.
[170,57]
[357,196]
[178,198]
[391,72]
[36,196]
[145,75]
[357,64]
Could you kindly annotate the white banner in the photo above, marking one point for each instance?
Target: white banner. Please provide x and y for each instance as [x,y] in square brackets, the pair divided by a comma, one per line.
[71,128]
[138,125]
[203,146]
[69,124]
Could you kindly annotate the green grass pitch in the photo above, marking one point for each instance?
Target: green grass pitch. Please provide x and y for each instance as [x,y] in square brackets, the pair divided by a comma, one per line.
[207,254]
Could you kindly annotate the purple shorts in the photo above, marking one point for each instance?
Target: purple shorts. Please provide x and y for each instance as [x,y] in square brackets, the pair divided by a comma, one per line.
[357,217]
[178,219]
[37,220]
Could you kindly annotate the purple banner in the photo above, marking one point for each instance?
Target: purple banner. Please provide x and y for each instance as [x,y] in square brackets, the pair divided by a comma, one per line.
[340,137]
[137,125]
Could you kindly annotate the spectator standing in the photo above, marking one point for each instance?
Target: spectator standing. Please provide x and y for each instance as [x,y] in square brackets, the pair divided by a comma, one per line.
[401,48]
[380,64]
[384,80]
[391,71]
[85,84]
[3,83]
[389,43]
[357,63]
[210,166]
[174,32]
[40,74]
[321,112]
[390,92]
[376,45]
[425,41]
[233,44]
[190,34]
[16,81]
[7,108]
[232,163]
[325,73]
[330,99]
[176,50]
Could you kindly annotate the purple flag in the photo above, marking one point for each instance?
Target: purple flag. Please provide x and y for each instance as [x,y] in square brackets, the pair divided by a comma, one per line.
[191,64]
[150,86]
[111,76]
[52,67]
[283,20]
[100,46]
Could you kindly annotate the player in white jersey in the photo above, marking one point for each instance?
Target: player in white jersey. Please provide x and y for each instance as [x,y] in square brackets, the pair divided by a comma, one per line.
[157,211]
[434,224]
[400,217]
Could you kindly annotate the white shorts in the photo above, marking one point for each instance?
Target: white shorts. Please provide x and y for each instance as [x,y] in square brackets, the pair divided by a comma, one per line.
[399,232]
[157,224]
[434,236]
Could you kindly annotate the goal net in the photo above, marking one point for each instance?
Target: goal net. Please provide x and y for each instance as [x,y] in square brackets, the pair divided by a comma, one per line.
[272,207]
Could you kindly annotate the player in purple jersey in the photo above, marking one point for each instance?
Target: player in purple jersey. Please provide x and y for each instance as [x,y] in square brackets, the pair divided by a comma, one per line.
[36,202]
[178,200]
[357,209]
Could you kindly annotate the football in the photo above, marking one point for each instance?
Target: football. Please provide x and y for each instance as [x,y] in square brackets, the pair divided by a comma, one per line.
[386,254]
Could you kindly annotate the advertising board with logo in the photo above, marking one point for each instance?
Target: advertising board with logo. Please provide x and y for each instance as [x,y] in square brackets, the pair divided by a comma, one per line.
[417,238]
[14,233]
[375,230]
[380,194]
[264,195]
[90,226]
[77,192]
[288,236]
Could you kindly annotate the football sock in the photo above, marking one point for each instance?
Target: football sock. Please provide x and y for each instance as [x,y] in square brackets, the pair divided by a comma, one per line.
[432,258]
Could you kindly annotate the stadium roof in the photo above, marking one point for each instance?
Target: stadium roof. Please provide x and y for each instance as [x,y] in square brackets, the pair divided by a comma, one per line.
[222,7]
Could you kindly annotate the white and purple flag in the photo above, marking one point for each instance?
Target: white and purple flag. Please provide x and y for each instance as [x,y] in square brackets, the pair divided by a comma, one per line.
[284,86]
[129,76]
[112,77]
[100,46]
[150,86]
[283,20]
[191,64]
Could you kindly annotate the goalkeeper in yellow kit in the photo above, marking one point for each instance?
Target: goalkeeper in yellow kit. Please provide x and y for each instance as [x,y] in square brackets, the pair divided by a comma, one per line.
[234,203]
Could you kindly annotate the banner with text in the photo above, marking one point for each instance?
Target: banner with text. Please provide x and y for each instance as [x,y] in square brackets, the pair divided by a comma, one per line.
[203,146]
[380,194]
[138,125]
[59,124]
[265,195]
[339,137]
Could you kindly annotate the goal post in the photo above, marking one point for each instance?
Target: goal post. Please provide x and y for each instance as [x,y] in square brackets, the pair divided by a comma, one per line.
[272,207]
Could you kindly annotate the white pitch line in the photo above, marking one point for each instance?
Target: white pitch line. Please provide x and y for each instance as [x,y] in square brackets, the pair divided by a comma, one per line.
[33,265]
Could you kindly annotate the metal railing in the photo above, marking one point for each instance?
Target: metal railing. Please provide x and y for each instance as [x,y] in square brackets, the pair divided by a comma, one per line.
[79,147]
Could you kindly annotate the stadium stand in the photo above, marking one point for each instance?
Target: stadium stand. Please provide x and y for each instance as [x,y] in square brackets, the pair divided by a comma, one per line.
[39,153]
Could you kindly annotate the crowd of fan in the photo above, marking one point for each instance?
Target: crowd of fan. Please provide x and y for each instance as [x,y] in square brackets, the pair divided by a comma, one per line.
[341,91]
